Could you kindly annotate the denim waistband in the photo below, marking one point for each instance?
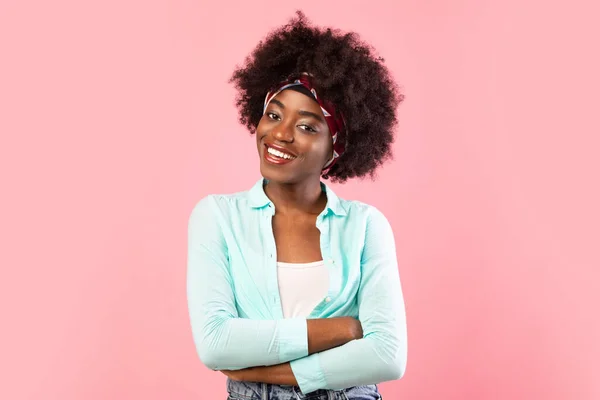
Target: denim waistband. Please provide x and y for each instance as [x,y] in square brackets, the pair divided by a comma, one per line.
[241,390]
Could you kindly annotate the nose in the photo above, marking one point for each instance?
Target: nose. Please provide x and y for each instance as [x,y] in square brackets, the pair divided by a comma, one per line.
[284,133]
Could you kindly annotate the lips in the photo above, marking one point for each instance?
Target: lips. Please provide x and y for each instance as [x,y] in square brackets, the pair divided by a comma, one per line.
[278,155]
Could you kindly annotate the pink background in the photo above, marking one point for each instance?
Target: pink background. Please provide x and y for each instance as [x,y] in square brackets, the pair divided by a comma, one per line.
[116,118]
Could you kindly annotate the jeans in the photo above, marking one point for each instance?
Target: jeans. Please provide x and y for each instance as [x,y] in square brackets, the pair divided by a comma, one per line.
[239,390]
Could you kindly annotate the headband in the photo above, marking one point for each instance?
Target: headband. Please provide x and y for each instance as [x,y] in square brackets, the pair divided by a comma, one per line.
[335,121]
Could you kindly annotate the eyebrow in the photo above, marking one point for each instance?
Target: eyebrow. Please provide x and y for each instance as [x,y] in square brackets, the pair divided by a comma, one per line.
[301,112]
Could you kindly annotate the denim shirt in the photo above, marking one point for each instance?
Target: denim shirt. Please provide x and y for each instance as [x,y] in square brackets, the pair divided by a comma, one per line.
[233,296]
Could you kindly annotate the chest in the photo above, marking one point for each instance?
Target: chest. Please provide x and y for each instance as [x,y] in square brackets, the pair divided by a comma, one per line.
[256,241]
[297,238]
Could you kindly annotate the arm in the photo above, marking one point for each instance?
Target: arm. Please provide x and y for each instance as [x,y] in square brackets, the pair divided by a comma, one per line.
[381,355]
[225,341]
[322,339]
[327,333]
[280,374]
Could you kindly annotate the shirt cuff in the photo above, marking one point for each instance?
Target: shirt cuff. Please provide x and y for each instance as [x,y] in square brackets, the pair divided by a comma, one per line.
[293,339]
[308,373]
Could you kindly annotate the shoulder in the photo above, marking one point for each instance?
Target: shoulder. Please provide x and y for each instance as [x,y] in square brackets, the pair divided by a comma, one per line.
[368,219]
[222,200]
[219,204]
[356,208]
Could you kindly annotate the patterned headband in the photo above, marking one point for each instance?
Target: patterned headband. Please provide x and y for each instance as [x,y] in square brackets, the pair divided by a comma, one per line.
[335,121]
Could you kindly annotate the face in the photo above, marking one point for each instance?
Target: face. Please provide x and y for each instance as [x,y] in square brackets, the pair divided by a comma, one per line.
[293,139]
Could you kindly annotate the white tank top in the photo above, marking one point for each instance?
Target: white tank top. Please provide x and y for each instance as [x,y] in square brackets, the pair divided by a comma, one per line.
[301,287]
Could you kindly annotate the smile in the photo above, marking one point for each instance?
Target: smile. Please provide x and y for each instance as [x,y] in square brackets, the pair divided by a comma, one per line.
[279,154]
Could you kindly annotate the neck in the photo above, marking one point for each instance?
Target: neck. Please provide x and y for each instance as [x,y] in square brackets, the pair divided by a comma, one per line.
[304,197]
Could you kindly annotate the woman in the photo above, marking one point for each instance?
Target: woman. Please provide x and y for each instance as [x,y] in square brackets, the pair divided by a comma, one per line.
[294,292]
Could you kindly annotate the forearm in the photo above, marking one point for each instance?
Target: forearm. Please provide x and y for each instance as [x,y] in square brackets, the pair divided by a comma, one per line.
[236,343]
[280,374]
[360,362]
[327,333]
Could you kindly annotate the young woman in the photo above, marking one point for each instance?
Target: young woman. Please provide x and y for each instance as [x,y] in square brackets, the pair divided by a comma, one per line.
[294,292]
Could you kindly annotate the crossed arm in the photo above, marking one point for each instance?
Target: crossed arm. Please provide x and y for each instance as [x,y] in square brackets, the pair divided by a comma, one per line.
[312,354]
[323,334]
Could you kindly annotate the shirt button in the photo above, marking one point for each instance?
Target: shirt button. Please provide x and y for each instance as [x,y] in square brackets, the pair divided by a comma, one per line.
[327,299]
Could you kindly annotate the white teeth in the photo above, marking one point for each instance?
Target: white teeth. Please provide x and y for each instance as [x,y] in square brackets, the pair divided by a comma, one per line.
[279,153]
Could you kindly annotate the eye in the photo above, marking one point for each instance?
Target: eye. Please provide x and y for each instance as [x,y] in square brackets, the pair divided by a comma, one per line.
[308,128]
[272,115]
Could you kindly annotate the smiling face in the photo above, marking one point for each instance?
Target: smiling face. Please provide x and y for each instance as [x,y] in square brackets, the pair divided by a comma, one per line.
[293,139]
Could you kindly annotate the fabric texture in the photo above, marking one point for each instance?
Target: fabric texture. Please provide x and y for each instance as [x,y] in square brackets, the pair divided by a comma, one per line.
[237,390]
[233,297]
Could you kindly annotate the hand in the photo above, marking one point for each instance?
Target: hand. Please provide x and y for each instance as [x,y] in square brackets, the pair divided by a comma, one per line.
[279,374]
[356,331]
[236,375]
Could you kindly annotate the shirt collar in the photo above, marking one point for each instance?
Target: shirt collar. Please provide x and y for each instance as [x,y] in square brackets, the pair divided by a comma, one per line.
[259,199]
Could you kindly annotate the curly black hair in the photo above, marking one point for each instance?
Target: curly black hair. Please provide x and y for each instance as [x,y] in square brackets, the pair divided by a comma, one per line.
[347,72]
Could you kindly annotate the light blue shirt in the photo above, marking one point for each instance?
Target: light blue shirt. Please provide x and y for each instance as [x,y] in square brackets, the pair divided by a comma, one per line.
[233,296]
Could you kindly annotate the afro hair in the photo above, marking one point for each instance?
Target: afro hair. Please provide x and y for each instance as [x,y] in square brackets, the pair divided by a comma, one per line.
[347,72]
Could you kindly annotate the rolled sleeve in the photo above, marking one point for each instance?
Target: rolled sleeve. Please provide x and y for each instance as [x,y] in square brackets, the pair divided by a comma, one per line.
[293,339]
[308,373]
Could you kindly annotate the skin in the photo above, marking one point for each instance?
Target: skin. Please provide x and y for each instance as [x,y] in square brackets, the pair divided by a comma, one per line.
[295,122]
[295,187]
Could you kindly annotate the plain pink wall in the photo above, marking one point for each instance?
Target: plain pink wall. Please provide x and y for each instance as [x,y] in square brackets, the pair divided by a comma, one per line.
[116,118]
